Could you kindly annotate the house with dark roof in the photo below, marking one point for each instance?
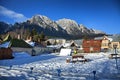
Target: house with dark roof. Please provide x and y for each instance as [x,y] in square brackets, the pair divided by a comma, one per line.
[5,50]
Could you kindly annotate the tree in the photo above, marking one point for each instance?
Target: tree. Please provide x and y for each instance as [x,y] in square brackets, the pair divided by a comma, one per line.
[85,37]
[42,36]
[27,33]
[36,38]
[33,33]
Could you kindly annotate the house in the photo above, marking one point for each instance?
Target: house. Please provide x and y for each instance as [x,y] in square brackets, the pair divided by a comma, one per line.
[6,53]
[78,43]
[105,44]
[55,41]
[115,43]
[69,44]
[18,45]
[91,45]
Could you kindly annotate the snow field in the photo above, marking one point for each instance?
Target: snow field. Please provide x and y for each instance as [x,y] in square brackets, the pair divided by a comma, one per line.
[45,67]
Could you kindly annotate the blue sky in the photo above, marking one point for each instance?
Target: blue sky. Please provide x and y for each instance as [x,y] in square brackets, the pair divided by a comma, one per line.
[98,14]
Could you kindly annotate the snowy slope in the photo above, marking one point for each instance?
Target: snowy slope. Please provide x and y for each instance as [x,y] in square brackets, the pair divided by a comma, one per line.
[46,67]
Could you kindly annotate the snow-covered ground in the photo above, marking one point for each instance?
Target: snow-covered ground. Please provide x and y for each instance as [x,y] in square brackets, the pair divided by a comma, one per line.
[30,42]
[54,67]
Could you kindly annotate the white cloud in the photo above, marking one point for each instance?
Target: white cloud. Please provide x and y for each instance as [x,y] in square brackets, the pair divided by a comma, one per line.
[17,17]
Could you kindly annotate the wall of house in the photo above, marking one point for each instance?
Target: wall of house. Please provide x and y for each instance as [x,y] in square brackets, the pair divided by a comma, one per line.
[91,46]
[37,50]
[60,41]
[6,53]
[18,49]
[95,49]
[105,44]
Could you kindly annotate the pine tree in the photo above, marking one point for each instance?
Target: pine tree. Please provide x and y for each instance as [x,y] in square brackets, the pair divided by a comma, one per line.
[33,33]
[42,36]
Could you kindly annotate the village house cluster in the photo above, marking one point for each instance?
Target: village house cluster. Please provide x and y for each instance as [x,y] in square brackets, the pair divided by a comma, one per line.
[96,45]
[101,44]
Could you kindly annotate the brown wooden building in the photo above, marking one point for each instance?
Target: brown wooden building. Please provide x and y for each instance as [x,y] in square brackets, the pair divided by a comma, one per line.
[6,53]
[90,46]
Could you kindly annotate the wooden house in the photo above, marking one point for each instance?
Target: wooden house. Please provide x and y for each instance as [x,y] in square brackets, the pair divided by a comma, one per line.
[115,43]
[55,41]
[69,44]
[105,43]
[90,46]
[6,53]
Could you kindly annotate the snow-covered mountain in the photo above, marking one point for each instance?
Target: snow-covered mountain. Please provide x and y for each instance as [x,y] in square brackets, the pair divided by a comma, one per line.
[70,26]
[73,28]
[61,28]
[44,22]
[65,25]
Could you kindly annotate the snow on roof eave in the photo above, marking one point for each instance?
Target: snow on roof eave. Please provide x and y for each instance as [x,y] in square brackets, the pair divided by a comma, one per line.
[5,45]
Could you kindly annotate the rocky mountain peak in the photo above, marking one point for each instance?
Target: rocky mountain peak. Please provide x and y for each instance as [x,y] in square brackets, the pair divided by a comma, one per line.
[62,28]
[65,23]
[40,19]
[44,22]
[69,25]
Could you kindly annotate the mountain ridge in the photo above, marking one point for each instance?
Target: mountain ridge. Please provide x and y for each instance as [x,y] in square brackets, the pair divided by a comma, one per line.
[61,28]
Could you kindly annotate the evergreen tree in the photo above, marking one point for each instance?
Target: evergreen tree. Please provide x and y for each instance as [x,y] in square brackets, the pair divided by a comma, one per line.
[33,33]
[27,33]
[42,36]
[85,37]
